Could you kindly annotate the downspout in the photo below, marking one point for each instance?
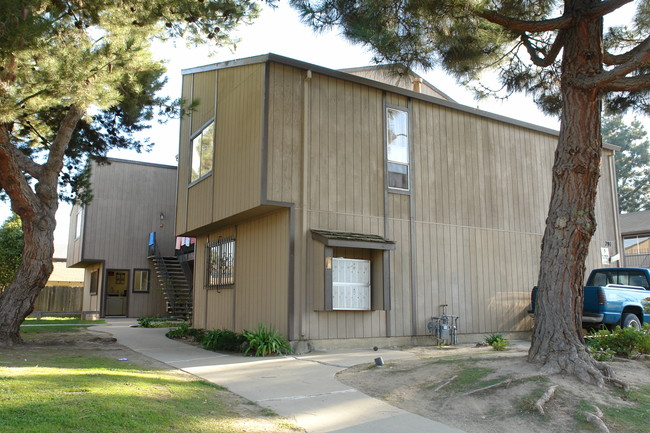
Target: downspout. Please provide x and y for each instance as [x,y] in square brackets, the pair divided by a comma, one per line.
[414,278]
[306,121]
[615,209]
[386,208]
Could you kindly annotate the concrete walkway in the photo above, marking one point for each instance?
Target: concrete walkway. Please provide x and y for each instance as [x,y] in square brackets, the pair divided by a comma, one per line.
[302,388]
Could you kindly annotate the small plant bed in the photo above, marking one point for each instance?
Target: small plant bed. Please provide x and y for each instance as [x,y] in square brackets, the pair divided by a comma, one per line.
[263,341]
[107,388]
[158,322]
[479,391]
[604,344]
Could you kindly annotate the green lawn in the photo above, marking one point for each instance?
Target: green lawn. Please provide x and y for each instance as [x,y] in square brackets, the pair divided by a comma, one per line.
[55,389]
[61,321]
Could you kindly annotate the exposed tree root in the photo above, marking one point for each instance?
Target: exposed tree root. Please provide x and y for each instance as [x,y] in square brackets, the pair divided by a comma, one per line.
[447,382]
[576,363]
[539,404]
[625,386]
[595,419]
[505,384]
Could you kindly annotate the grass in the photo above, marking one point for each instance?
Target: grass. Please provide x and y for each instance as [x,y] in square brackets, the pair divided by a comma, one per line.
[53,325]
[632,418]
[46,389]
[61,321]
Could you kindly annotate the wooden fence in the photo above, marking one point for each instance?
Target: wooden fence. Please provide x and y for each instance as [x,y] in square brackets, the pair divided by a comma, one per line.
[59,299]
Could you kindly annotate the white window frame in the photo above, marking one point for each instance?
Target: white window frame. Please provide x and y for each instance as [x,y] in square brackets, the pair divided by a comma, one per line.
[141,277]
[394,158]
[209,127]
[78,222]
[351,288]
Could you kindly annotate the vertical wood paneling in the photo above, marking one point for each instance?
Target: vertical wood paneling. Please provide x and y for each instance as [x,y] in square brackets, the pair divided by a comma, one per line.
[199,203]
[480,193]
[129,199]
[203,93]
[262,272]
[184,151]
[238,145]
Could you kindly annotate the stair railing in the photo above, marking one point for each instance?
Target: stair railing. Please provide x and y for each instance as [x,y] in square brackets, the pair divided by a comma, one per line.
[165,277]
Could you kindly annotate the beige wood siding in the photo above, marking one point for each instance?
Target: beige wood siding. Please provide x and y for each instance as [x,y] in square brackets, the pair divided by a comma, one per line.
[129,200]
[92,302]
[204,95]
[183,158]
[344,132]
[285,132]
[238,146]
[74,244]
[200,197]
[260,292]
[467,233]
[234,98]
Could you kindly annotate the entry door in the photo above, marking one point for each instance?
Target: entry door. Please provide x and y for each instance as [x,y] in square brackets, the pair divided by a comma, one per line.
[117,289]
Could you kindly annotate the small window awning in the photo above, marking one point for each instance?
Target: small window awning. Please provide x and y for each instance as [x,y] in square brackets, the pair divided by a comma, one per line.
[352,240]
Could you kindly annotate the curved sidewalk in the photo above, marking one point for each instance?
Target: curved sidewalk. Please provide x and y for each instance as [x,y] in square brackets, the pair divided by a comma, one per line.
[302,388]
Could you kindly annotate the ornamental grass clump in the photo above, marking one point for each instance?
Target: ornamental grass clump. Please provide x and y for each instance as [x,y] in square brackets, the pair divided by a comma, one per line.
[265,341]
[497,341]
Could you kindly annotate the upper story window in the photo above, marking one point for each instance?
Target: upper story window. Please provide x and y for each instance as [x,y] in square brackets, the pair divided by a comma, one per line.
[202,152]
[77,223]
[397,142]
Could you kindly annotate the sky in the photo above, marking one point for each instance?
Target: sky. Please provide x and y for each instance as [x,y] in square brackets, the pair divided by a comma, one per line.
[280,31]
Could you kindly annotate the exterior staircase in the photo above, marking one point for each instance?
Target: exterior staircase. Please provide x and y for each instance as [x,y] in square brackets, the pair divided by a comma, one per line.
[174,281]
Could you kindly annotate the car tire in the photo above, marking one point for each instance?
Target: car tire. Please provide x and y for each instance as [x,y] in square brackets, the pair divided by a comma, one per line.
[631,320]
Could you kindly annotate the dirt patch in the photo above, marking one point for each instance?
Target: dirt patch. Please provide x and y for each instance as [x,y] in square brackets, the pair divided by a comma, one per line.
[445,385]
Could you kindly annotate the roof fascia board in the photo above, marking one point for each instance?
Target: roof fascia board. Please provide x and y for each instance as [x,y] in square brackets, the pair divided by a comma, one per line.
[371,83]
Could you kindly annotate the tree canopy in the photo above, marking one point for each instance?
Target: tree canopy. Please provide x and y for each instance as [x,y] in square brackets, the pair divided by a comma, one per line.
[77,78]
[559,53]
[632,162]
[11,244]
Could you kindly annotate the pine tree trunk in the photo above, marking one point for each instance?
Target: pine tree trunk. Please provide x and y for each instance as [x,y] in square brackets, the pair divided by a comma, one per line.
[37,210]
[557,340]
[17,300]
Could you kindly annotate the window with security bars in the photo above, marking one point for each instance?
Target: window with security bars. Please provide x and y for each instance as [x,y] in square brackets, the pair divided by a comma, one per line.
[350,284]
[221,263]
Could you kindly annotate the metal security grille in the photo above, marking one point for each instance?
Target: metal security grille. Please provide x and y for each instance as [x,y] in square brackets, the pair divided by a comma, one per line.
[221,263]
[350,284]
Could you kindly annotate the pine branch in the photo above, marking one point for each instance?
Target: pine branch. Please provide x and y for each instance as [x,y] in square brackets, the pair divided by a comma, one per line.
[619,59]
[605,80]
[559,23]
[548,25]
[60,143]
[548,58]
[639,82]
[12,180]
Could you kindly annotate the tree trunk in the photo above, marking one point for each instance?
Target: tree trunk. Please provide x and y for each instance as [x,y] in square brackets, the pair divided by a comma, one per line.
[37,210]
[557,341]
[17,300]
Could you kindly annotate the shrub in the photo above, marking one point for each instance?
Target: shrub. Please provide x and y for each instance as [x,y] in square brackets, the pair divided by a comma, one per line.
[145,322]
[624,342]
[222,339]
[263,342]
[181,331]
[497,341]
[197,334]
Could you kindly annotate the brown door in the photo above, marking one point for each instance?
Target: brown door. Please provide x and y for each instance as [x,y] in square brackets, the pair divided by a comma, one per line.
[117,289]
